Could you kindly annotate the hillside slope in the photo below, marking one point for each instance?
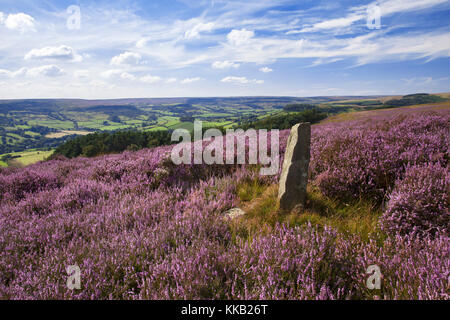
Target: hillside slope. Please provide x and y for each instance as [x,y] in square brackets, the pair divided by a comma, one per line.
[140,227]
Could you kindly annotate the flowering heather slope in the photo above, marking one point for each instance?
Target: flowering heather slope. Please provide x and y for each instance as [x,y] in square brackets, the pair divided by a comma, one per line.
[141,228]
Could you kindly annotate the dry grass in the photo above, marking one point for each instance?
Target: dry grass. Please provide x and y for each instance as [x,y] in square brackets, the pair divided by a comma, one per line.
[445,95]
[358,217]
[66,133]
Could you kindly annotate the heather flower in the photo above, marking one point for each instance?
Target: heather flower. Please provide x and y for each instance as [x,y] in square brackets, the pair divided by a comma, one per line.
[419,202]
[140,227]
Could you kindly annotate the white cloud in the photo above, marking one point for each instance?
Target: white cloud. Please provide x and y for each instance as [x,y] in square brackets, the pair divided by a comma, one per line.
[393,6]
[127,76]
[238,37]
[13,74]
[81,74]
[20,72]
[368,48]
[200,27]
[332,24]
[4,72]
[387,8]
[126,58]
[163,43]
[98,84]
[150,79]
[2,17]
[48,71]
[57,53]
[171,80]
[141,43]
[19,21]
[265,69]
[111,73]
[117,73]
[190,80]
[240,80]
[225,65]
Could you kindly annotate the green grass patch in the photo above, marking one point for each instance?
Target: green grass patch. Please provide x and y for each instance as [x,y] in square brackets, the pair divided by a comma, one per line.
[183,125]
[157,128]
[250,190]
[114,127]
[31,133]
[55,124]
[214,115]
[168,121]
[217,123]
[26,158]
[15,136]
[261,205]
[22,126]
[358,216]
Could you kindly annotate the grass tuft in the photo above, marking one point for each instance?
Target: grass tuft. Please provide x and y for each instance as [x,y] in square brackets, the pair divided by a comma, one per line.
[260,203]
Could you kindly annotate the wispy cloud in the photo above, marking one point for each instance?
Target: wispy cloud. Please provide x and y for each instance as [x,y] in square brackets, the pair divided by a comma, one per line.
[126,46]
[197,29]
[190,80]
[225,65]
[171,80]
[241,80]
[359,13]
[265,69]
[150,79]
[46,70]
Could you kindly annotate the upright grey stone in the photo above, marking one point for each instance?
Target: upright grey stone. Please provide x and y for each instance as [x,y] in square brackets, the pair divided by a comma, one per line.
[294,175]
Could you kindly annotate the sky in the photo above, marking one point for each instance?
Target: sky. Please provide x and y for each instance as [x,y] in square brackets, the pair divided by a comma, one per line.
[185,48]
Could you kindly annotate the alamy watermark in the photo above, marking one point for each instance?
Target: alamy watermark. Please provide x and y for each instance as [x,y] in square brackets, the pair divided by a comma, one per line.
[74,19]
[374,280]
[373,17]
[235,142]
[74,279]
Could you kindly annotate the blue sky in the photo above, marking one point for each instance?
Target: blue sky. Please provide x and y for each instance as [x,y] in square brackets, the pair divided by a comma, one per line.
[222,48]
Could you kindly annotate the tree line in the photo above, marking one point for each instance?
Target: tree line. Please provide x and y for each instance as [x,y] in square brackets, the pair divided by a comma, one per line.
[112,142]
[285,120]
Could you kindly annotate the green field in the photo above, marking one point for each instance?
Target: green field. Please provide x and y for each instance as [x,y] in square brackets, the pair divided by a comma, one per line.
[25,158]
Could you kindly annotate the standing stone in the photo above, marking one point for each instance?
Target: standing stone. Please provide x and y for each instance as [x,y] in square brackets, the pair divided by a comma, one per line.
[294,175]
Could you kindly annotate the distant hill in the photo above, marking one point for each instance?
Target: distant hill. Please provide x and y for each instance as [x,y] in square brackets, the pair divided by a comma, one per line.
[413,99]
[65,104]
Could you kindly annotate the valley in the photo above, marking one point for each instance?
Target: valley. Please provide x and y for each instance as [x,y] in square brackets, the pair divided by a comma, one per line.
[44,124]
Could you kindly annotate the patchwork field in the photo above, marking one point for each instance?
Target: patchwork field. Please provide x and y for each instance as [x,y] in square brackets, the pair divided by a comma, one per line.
[46,124]
[65,133]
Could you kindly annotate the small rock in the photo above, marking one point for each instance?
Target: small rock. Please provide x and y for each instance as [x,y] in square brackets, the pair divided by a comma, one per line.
[234,213]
